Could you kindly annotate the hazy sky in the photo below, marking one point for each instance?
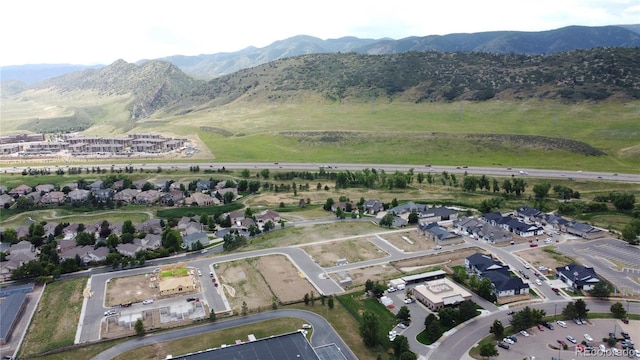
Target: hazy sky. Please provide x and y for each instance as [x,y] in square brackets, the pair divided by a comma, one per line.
[101,31]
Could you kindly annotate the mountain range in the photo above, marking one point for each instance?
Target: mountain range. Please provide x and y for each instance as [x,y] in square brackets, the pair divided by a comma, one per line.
[210,66]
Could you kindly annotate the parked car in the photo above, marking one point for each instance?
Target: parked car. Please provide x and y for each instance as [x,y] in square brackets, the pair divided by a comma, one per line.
[561,323]
[508,341]
[625,335]
[199,272]
[572,339]
[402,326]
[147,302]
[510,312]
[513,338]
[125,304]
[562,343]
[527,266]
[538,282]
[533,245]
[189,299]
[524,333]
[577,321]
[408,300]
[555,290]
[306,326]
[110,312]
[547,325]
[588,337]
[540,327]
[503,345]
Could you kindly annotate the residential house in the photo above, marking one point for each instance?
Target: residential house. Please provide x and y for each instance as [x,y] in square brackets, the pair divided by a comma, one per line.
[246,223]
[6,268]
[22,247]
[126,195]
[148,197]
[185,221]
[192,227]
[70,231]
[65,244]
[372,206]
[438,214]
[129,250]
[78,195]
[96,185]
[118,185]
[512,224]
[189,240]
[176,186]
[577,276]
[6,200]
[176,285]
[103,194]
[201,199]
[203,185]
[503,284]
[86,253]
[172,198]
[50,228]
[149,242]
[557,222]
[139,184]
[344,206]
[438,234]
[71,186]
[20,190]
[151,226]
[268,215]
[481,230]
[405,209]
[3,189]
[584,230]
[53,198]
[528,214]
[223,191]
[44,188]
[35,196]
[236,217]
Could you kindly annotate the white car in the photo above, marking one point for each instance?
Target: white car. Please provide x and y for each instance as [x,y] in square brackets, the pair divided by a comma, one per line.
[524,333]
[538,282]
[508,341]
[408,301]
[527,266]
[147,302]
[588,337]
[306,326]
[561,323]
[199,272]
[110,312]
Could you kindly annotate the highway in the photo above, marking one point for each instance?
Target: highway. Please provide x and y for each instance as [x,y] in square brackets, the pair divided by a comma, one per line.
[435,169]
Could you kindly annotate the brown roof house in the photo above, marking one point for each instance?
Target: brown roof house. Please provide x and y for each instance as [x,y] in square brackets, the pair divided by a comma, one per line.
[20,190]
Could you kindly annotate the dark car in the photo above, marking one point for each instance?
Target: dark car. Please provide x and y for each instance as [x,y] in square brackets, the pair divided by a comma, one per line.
[547,325]
[625,335]
[510,312]
[503,345]
[191,299]
[125,305]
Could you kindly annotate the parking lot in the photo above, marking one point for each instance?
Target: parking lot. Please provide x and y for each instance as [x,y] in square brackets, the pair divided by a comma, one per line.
[540,343]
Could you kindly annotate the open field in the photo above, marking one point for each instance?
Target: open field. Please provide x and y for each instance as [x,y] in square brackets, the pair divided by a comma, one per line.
[130,289]
[409,240]
[96,217]
[214,339]
[283,278]
[472,133]
[56,319]
[446,258]
[539,257]
[354,250]
[301,235]
[377,272]
[246,284]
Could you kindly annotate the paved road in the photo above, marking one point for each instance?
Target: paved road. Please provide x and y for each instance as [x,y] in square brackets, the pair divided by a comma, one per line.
[541,173]
[323,333]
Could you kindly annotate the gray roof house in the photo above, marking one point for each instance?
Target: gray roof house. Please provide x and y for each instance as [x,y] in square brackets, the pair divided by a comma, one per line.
[189,240]
[577,276]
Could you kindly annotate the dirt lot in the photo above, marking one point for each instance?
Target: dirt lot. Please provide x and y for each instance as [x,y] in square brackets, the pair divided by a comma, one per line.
[409,241]
[446,258]
[284,279]
[538,257]
[130,289]
[243,282]
[353,250]
[378,272]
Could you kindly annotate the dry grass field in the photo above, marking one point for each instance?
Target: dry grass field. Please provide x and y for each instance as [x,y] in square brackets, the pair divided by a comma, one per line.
[130,289]
[538,257]
[408,240]
[245,283]
[354,250]
[283,278]
[447,258]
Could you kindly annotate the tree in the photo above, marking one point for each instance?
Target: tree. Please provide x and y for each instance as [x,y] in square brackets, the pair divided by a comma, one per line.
[497,329]
[139,327]
[569,311]
[403,314]
[128,228]
[541,190]
[306,299]
[330,303]
[413,218]
[467,310]
[400,345]
[618,310]
[387,220]
[369,329]
[448,318]
[434,331]
[485,289]
[171,240]
[212,316]
[581,308]
[328,204]
[623,201]
[488,350]
[9,235]
[245,308]
[429,320]
[601,290]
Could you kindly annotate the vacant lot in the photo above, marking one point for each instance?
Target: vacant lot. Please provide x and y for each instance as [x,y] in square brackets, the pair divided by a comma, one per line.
[354,250]
[131,289]
[242,282]
[539,257]
[284,279]
[448,258]
[409,241]
[375,273]
[56,319]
